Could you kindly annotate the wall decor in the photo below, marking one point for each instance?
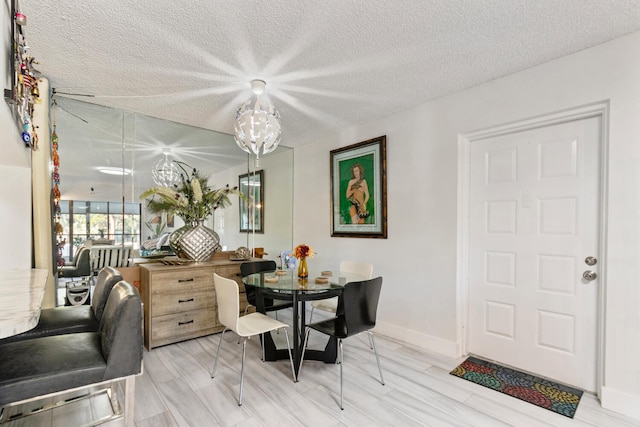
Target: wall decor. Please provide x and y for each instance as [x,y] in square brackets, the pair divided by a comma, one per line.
[252,209]
[359,189]
[24,92]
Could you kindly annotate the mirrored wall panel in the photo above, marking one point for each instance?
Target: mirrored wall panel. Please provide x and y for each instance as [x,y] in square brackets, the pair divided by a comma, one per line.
[107,159]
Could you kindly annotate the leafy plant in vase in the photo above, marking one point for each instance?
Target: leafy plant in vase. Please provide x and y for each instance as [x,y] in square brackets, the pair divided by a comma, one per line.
[193,200]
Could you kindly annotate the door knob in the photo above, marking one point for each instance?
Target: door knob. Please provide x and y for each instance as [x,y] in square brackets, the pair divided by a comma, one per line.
[589,275]
[591,260]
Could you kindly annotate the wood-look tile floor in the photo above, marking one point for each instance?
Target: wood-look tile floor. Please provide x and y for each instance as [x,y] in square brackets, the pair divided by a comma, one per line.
[176,390]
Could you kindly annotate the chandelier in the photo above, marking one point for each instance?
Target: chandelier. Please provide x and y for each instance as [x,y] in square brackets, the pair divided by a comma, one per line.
[165,172]
[257,124]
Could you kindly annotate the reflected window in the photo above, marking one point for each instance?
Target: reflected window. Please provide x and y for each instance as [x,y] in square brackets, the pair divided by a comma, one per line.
[114,222]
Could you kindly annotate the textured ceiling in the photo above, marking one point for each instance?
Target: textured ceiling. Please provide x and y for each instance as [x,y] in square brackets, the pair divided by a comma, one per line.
[328,65]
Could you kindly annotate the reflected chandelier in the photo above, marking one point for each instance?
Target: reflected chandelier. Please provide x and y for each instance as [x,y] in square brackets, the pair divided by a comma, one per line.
[257,124]
[165,172]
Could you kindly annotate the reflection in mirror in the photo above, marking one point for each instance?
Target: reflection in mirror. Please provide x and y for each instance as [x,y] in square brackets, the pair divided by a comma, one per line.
[252,209]
[106,162]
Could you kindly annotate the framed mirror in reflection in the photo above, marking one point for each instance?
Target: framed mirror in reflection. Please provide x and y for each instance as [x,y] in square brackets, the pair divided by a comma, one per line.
[252,209]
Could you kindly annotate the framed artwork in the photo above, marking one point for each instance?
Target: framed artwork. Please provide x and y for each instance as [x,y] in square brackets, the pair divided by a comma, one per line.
[359,190]
[252,210]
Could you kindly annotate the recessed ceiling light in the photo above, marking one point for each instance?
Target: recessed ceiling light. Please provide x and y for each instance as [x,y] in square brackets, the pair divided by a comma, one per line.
[114,171]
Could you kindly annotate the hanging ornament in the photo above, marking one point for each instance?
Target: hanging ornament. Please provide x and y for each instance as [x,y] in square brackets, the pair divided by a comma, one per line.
[21,19]
[26,136]
[59,231]
[54,137]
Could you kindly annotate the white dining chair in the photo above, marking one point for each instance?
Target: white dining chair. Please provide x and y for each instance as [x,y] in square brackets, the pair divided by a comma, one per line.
[330,305]
[246,327]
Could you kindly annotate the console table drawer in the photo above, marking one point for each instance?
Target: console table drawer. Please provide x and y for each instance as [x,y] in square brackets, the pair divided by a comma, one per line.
[183,300]
[179,326]
[183,280]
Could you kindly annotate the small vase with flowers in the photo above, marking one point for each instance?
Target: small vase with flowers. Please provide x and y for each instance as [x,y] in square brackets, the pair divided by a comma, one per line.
[302,252]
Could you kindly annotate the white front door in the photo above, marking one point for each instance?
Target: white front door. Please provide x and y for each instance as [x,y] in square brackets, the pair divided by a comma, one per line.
[534,219]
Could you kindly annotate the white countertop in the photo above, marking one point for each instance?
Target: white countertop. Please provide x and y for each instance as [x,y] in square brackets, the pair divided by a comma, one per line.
[21,294]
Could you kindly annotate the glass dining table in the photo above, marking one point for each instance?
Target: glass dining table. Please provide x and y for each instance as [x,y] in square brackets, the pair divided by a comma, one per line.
[285,285]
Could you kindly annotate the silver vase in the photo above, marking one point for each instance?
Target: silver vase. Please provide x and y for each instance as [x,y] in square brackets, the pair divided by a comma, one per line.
[195,241]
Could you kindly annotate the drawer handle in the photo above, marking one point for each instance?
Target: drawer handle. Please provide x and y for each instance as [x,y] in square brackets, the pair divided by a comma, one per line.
[185,300]
[185,323]
[185,280]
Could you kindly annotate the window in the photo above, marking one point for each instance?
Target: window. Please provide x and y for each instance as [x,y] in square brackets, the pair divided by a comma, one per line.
[82,220]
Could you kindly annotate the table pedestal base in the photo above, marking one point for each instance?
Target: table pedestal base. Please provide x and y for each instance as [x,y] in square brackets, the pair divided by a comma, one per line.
[330,352]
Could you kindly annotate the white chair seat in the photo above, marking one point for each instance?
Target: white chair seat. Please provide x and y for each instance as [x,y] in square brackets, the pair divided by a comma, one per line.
[257,323]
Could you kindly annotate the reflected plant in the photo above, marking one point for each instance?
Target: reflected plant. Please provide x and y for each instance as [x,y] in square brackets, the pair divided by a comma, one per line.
[193,199]
[156,228]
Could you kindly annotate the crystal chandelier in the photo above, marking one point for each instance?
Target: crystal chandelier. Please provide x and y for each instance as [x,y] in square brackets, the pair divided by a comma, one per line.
[165,172]
[257,125]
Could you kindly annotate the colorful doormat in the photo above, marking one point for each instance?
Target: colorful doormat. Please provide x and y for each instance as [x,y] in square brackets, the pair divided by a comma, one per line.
[544,393]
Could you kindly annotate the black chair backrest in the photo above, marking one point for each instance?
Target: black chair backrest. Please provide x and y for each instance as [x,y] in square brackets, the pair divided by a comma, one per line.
[360,304]
[247,268]
[252,267]
[121,331]
[107,278]
[83,263]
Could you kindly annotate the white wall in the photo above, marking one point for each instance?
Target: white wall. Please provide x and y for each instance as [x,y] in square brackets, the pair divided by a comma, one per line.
[15,170]
[278,215]
[418,260]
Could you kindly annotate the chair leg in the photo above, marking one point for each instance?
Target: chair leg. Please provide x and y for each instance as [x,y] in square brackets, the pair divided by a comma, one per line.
[311,313]
[293,369]
[377,357]
[341,364]
[129,400]
[215,363]
[244,352]
[304,347]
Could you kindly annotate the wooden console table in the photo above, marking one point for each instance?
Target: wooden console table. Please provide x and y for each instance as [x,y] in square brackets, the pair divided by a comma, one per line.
[180,300]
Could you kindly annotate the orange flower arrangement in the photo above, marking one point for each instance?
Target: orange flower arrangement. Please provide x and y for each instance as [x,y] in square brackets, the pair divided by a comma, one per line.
[303,251]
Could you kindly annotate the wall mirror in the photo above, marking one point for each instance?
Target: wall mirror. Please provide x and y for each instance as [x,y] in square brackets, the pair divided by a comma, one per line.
[106,161]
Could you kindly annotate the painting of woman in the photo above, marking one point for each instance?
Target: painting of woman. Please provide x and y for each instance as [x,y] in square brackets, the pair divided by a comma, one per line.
[358,190]
[358,194]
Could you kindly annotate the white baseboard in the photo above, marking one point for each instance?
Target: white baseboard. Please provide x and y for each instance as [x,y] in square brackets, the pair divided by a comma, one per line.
[621,402]
[424,341]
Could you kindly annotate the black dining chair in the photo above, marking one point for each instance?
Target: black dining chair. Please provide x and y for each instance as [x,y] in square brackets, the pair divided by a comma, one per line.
[356,313]
[253,267]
